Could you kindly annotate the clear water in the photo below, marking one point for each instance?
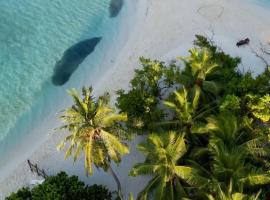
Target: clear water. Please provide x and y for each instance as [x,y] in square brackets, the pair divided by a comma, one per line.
[263,3]
[33,36]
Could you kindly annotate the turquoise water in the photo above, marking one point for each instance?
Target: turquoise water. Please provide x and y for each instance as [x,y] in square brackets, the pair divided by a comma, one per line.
[34,34]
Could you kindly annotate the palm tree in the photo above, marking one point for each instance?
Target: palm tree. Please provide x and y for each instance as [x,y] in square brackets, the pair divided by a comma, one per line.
[229,194]
[94,128]
[182,107]
[235,151]
[186,114]
[199,65]
[163,153]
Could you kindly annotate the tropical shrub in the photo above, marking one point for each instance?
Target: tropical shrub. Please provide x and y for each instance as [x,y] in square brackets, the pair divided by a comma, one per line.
[62,187]
[259,106]
[148,88]
[231,103]
[21,194]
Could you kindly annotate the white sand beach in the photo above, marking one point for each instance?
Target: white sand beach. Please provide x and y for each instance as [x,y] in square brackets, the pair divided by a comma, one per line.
[161,29]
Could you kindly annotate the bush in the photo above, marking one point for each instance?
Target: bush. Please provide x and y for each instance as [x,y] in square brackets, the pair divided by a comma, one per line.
[21,194]
[148,88]
[62,187]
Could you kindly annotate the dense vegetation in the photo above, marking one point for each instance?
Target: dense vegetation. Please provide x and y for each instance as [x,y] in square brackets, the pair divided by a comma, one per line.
[62,187]
[207,126]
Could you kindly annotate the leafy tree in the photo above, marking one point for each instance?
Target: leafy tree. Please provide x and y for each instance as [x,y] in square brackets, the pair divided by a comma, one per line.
[246,83]
[236,82]
[163,153]
[230,103]
[94,129]
[62,187]
[148,88]
[98,192]
[259,106]
[21,194]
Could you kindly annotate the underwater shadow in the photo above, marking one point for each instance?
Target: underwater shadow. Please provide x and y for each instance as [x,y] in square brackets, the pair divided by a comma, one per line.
[115,7]
[71,60]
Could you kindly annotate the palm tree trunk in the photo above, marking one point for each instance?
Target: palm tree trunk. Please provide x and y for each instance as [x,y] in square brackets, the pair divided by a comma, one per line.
[116,180]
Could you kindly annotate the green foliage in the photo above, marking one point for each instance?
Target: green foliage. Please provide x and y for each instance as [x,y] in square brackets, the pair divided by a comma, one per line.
[199,66]
[62,187]
[130,196]
[228,194]
[227,65]
[163,152]
[21,194]
[241,85]
[217,108]
[94,129]
[231,147]
[148,88]
[246,83]
[140,107]
[184,109]
[230,103]
[201,108]
[259,106]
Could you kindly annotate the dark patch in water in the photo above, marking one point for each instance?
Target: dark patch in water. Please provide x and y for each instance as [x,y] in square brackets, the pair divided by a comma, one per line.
[72,58]
[115,7]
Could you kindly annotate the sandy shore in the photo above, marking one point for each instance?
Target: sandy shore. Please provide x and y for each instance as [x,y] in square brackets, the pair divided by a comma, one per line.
[161,30]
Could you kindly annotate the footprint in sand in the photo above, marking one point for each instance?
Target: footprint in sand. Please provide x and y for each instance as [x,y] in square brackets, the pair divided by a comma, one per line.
[211,12]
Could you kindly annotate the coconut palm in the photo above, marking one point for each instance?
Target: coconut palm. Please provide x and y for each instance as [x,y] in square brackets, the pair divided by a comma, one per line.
[199,65]
[163,153]
[182,107]
[235,152]
[94,128]
[229,194]
[185,113]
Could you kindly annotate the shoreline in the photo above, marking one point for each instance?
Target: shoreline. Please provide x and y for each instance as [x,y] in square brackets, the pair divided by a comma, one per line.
[16,173]
[160,31]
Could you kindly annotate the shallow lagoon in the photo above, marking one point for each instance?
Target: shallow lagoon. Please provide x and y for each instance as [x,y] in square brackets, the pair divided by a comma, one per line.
[34,37]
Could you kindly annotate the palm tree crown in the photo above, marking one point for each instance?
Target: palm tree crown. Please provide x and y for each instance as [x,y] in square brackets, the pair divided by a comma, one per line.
[94,129]
[229,194]
[232,147]
[199,65]
[162,155]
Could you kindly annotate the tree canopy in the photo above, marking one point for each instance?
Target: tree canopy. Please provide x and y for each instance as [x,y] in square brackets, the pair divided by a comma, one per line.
[206,126]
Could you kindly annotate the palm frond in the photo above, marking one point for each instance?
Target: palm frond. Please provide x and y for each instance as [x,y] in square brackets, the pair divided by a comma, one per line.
[143,195]
[190,175]
[144,169]
[160,190]
[196,97]
[256,179]
[88,156]
[89,123]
